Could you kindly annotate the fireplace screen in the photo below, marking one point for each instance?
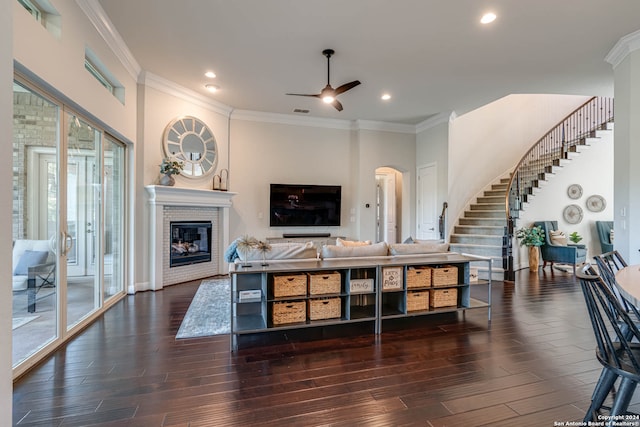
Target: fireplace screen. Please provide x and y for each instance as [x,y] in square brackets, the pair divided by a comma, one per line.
[190,242]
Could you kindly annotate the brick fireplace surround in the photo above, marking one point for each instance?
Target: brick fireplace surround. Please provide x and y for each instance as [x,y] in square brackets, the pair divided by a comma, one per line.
[168,204]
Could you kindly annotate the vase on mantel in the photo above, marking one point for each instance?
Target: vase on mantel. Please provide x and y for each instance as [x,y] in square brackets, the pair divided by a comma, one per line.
[167,180]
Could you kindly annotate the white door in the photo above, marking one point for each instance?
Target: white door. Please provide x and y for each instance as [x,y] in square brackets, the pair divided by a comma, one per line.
[427,202]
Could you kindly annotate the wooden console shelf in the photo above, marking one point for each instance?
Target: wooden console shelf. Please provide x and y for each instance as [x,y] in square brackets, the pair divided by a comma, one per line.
[301,294]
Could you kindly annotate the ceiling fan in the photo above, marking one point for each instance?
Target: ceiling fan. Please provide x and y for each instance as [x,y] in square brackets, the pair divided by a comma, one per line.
[329,94]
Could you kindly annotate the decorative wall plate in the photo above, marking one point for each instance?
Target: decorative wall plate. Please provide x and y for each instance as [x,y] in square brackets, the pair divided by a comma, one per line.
[574,191]
[572,214]
[596,203]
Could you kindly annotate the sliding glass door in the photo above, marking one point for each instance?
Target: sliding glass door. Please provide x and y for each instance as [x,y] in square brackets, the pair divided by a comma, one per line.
[68,222]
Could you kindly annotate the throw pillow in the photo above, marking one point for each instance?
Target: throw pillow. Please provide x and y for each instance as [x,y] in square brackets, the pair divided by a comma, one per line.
[342,242]
[29,259]
[558,238]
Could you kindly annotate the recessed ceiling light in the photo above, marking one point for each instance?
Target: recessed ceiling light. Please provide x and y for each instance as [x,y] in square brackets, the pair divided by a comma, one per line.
[488,18]
[385,97]
[212,88]
[210,74]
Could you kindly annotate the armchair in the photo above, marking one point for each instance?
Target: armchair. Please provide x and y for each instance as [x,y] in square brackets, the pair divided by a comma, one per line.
[34,267]
[604,229]
[562,254]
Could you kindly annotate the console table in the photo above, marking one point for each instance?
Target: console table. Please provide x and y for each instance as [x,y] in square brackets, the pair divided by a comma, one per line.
[348,290]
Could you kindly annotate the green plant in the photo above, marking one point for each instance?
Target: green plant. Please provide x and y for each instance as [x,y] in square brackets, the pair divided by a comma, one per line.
[575,237]
[171,167]
[532,236]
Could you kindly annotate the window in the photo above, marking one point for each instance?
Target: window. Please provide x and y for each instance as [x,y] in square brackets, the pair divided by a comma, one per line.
[101,73]
[44,12]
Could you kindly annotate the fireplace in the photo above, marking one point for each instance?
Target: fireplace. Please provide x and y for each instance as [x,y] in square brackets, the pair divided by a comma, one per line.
[190,242]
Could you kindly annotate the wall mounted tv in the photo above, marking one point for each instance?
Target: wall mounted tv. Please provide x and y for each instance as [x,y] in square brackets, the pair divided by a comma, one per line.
[292,205]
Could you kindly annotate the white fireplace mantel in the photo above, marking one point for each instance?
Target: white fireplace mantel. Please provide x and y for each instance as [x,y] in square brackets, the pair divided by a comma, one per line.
[163,196]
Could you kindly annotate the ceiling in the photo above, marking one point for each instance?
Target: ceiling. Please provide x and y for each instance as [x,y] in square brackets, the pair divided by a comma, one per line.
[432,56]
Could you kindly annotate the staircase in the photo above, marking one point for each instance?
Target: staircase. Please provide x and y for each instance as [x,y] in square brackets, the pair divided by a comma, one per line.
[481,228]
[486,228]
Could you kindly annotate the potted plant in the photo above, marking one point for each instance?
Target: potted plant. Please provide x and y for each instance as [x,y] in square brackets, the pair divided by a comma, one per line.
[168,168]
[575,237]
[533,238]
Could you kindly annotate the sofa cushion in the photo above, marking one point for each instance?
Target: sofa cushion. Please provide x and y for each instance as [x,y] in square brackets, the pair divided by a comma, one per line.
[29,259]
[287,250]
[335,251]
[418,248]
[342,242]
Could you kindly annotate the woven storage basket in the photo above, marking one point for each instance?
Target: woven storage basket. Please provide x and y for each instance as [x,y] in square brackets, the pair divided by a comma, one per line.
[418,277]
[289,312]
[324,283]
[443,298]
[417,300]
[289,285]
[444,276]
[325,308]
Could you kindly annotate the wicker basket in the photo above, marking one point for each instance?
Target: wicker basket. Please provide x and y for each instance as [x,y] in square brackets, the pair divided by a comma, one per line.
[444,276]
[325,308]
[417,300]
[289,312]
[324,283]
[418,277]
[443,298]
[289,285]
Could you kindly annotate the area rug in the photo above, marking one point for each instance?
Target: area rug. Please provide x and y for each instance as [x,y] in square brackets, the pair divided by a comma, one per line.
[209,312]
[16,322]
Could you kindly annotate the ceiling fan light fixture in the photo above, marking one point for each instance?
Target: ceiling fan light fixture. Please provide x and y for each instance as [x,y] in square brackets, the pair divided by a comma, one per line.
[328,99]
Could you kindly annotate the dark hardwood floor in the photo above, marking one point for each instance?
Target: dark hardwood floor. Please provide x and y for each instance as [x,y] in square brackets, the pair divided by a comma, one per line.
[532,366]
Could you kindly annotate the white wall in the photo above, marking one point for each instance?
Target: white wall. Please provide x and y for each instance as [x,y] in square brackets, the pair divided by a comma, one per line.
[484,144]
[432,146]
[627,157]
[6,170]
[593,170]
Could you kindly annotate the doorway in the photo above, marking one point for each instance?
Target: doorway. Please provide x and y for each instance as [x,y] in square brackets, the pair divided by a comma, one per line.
[427,204]
[389,189]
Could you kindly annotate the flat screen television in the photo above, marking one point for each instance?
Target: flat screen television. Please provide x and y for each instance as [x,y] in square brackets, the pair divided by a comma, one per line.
[293,205]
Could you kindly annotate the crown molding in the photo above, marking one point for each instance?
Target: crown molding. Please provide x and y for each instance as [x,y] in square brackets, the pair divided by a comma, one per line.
[288,119]
[623,48]
[110,35]
[434,121]
[166,86]
[383,126]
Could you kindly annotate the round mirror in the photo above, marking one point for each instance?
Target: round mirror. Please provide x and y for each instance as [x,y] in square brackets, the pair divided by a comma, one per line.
[188,140]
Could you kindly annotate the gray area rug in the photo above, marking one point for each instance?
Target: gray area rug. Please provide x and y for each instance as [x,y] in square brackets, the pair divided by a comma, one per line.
[209,312]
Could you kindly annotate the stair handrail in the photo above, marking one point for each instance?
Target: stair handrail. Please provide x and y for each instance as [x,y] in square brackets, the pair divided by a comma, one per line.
[441,220]
[561,139]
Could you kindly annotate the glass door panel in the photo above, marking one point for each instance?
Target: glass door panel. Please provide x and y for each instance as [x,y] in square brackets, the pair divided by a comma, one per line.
[114,196]
[83,214]
[36,270]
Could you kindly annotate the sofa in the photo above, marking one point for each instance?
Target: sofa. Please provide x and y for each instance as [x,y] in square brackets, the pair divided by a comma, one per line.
[34,267]
[343,249]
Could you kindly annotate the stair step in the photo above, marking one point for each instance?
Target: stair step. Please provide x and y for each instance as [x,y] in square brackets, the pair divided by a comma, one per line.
[491,199]
[495,193]
[485,214]
[476,239]
[502,187]
[479,229]
[482,250]
[487,207]
[494,222]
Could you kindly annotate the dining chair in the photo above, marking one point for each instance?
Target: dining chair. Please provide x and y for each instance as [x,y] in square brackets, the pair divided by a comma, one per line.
[617,348]
[608,265]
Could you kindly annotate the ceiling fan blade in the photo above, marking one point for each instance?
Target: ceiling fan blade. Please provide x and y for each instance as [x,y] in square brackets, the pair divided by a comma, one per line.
[336,104]
[303,94]
[345,87]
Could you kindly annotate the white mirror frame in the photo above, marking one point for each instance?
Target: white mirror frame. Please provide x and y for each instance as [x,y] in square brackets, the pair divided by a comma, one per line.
[190,141]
